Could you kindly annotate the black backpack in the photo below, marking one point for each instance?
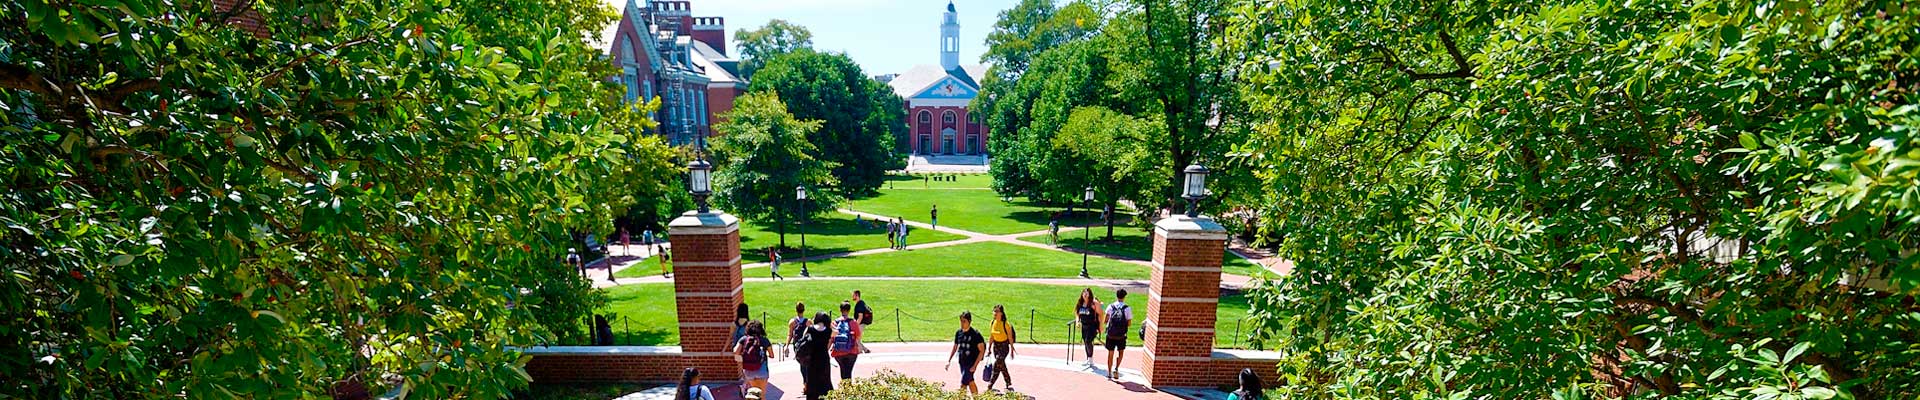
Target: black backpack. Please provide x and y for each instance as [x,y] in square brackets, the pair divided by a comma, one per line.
[1117,323]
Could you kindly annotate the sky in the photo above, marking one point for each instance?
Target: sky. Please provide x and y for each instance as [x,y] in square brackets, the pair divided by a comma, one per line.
[884,36]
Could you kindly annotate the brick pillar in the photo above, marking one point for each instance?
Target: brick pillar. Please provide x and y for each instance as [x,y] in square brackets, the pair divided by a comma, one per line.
[706,288]
[1181,303]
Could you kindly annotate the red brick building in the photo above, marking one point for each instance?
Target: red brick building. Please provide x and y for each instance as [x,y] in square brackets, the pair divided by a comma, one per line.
[666,53]
[937,98]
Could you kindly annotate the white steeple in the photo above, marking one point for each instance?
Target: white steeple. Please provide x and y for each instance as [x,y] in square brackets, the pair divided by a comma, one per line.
[950,39]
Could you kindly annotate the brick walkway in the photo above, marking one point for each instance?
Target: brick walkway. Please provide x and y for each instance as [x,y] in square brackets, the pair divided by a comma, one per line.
[1039,371]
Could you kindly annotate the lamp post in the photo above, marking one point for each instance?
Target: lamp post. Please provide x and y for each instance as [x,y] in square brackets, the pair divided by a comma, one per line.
[800,192]
[699,182]
[1086,239]
[1196,188]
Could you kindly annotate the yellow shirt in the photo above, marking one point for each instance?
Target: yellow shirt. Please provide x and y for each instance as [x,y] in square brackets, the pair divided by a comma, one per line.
[1000,331]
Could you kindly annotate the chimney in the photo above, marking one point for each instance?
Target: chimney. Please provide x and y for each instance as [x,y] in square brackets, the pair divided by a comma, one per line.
[712,31]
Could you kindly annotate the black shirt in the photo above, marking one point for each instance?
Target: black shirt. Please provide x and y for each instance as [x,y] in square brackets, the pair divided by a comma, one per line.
[969,341]
[863,313]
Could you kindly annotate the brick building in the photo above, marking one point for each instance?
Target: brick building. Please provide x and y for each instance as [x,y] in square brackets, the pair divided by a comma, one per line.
[937,98]
[665,52]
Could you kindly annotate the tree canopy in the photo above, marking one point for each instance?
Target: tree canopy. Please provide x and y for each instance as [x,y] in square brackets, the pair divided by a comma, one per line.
[761,156]
[1585,198]
[860,118]
[757,46]
[365,191]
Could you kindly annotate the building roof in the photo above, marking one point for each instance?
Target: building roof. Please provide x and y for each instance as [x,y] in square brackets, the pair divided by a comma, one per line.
[709,60]
[923,76]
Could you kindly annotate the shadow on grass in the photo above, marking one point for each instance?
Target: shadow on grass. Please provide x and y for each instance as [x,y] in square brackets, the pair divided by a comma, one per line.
[629,332]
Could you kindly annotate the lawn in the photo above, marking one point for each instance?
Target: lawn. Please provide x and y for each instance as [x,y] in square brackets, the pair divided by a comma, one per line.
[984,259]
[903,310]
[1135,243]
[967,204]
[828,233]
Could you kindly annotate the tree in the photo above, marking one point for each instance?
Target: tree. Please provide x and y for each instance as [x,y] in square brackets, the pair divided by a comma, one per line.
[1006,102]
[1579,198]
[1033,26]
[762,154]
[1113,154]
[1167,63]
[1032,112]
[362,191]
[777,37]
[860,117]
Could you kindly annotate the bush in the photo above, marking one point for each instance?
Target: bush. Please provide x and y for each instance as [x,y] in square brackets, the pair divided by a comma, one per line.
[890,385]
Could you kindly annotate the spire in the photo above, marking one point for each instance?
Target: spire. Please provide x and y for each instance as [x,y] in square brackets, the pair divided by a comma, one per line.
[950,6]
[950,38]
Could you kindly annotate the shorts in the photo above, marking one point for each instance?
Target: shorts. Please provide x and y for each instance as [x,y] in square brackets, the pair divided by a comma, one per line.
[1116,343]
[966,372]
[755,375]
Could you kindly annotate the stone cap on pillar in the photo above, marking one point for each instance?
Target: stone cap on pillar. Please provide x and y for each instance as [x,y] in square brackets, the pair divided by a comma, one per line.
[1190,228]
[698,223]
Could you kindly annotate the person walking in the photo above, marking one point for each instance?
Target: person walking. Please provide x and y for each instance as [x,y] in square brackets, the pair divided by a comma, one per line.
[1001,337]
[773,253]
[1249,387]
[751,351]
[1088,312]
[933,214]
[967,344]
[1053,229]
[846,341]
[812,352]
[904,230]
[893,233]
[666,262]
[690,388]
[865,315]
[646,237]
[573,260]
[741,316]
[1119,317]
[797,325]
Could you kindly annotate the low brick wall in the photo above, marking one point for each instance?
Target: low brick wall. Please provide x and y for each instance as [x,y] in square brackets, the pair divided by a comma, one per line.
[1228,363]
[603,364]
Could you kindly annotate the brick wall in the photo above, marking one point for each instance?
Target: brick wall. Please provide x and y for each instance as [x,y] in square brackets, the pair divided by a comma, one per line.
[1183,300]
[600,367]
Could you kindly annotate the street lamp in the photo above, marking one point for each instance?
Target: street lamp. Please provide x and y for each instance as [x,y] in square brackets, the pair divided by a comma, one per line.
[700,182]
[1196,188]
[800,192]
[1086,239]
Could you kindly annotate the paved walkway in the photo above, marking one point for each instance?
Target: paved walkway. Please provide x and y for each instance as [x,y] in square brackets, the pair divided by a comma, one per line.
[1041,372]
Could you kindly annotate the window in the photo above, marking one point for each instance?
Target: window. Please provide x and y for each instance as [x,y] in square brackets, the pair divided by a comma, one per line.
[948,118]
[926,122]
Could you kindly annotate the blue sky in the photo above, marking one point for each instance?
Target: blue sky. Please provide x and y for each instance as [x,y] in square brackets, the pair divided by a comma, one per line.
[884,36]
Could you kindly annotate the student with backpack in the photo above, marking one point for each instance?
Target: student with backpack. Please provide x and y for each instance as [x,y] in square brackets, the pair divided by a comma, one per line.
[690,388]
[741,317]
[865,314]
[795,325]
[1000,337]
[773,254]
[813,352]
[846,341]
[1119,317]
[752,351]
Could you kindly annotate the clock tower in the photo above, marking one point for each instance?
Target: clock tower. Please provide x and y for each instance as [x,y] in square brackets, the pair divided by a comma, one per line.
[950,39]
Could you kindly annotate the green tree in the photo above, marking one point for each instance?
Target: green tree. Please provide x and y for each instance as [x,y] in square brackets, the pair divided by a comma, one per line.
[360,192]
[1113,154]
[1006,103]
[1167,63]
[757,46]
[1033,110]
[859,116]
[1583,198]
[761,156]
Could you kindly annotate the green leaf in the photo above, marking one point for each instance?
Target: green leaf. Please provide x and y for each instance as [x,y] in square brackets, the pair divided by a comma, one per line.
[119,260]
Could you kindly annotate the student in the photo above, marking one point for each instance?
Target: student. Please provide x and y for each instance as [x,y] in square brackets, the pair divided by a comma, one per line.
[774,255]
[865,315]
[646,238]
[795,325]
[740,320]
[666,260]
[968,344]
[846,341]
[812,352]
[892,236]
[1002,337]
[1089,314]
[1053,229]
[690,388]
[903,233]
[751,350]
[573,260]
[933,214]
[1119,317]
[1249,387]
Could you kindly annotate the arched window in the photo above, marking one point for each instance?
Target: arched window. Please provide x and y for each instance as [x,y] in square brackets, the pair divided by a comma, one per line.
[926,122]
[948,118]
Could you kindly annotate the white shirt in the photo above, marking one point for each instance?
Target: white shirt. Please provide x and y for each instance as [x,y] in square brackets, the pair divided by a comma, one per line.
[1120,308]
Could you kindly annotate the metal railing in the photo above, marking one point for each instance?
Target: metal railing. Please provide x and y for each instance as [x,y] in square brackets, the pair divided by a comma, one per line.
[1070,335]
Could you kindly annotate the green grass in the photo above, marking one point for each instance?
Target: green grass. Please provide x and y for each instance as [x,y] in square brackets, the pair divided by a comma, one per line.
[1135,243]
[963,205]
[829,233]
[921,181]
[984,259]
[928,310]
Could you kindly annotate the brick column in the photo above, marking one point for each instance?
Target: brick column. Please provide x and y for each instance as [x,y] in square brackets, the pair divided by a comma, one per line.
[706,288]
[1182,301]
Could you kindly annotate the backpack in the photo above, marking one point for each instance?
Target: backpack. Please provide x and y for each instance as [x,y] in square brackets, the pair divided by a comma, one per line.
[842,336]
[1117,323]
[755,356]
